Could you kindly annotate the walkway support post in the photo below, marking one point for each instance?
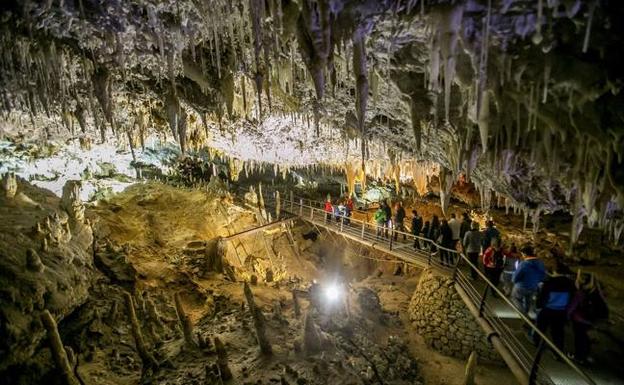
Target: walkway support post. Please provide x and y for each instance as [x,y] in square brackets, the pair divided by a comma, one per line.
[495,339]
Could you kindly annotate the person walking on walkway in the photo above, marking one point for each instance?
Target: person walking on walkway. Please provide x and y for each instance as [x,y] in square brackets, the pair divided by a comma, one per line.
[455,226]
[552,301]
[493,262]
[526,279]
[434,232]
[349,210]
[472,247]
[417,224]
[388,223]
[446,240]
[466,225]
[490,233]
[425,232]
[329,210]
[380,219]
[399,221]
[512,259]
[587,306]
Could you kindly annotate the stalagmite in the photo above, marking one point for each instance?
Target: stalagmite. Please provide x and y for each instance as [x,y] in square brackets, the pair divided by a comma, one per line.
[222,360]
[471,369]
[312,338]
[149,362]
[296,306]
[58,351]
[277,205]
[9,185]
[258,320]
[185,322]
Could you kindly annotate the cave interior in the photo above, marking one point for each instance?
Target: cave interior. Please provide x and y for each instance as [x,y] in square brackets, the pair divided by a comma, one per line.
[166,168]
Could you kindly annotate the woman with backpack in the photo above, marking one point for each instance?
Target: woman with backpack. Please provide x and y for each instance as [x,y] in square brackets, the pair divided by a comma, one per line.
[494,262]
[587,306]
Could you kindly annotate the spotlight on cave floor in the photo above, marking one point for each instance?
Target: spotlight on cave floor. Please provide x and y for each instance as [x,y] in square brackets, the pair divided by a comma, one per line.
[333,292]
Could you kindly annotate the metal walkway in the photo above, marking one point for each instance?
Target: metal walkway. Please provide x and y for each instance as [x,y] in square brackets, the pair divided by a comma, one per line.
[504,325]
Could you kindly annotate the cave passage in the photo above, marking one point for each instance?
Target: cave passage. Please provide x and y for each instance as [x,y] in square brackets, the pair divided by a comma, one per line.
[311,192]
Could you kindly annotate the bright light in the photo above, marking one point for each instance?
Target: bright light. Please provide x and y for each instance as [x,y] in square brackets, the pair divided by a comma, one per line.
[332,292]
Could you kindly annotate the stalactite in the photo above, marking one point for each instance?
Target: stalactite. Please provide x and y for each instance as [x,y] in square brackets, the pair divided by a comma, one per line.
[256,13]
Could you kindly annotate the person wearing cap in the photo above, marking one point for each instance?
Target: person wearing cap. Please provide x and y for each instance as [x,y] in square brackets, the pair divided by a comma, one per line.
[526,279]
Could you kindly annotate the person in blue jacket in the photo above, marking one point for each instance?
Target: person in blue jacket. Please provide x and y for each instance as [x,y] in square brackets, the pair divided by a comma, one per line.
[553,299]
[526,279]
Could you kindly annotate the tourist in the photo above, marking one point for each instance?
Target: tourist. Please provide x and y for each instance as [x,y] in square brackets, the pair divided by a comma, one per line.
[399,220]
[529,274]
[425,232]
[434,232]
[349,210]
[552,301]
[472,247]
[512,259]
[466,225]
[455,226]
[329,210]
[587,306]
[388,223]
[340,210]
[490,233]
[446,241]
[380,219]
[417,224]
[493,262]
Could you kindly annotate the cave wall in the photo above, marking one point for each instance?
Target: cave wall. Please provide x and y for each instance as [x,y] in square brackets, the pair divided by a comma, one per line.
[46,262]
[439,315]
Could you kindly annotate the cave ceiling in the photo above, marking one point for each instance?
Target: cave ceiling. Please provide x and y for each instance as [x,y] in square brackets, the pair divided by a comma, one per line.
[521,97]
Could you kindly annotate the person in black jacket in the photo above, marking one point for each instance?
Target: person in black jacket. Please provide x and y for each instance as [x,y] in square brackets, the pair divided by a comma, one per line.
[417,224]
[553,300]
[446,241]
[388,211]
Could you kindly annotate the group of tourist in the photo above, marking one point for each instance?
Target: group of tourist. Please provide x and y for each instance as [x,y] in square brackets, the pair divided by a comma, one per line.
[551,300]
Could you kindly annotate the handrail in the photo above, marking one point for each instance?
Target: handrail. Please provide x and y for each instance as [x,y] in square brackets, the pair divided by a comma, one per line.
[463,259]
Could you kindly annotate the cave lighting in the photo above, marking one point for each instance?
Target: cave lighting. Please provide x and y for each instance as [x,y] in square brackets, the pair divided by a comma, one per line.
[333,292]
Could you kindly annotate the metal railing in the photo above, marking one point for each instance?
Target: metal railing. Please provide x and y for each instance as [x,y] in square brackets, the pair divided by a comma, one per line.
[505,322]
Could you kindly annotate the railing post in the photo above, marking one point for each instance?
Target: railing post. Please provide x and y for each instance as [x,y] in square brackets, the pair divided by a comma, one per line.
[430,255]
[536,361]
[482,304]
[300,207]
[341,222]
[391,237]
[292,201]
[363,228]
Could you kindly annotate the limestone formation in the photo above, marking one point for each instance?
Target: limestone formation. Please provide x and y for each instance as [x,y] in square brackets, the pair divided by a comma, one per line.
[58,350]
[70,201]
[296,306]
[439,315]
[471,369]
[312,336]
[258,321]
[149,362]
[9,185]
[222,360]
[33,261]
[185,322]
